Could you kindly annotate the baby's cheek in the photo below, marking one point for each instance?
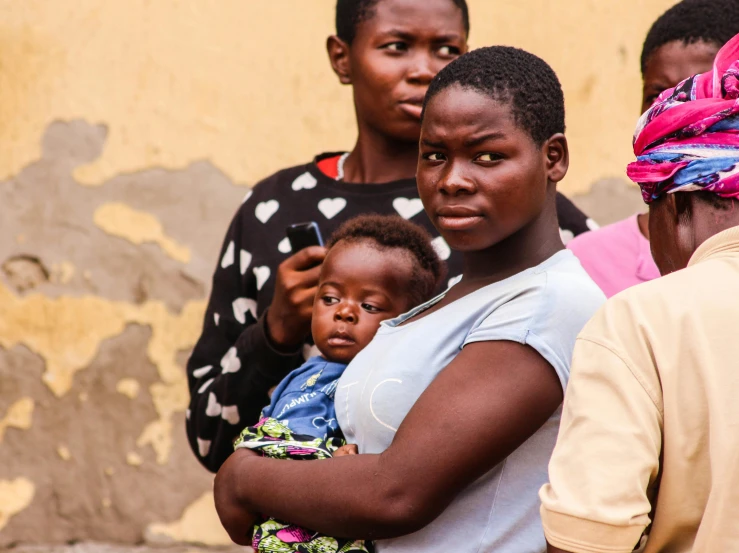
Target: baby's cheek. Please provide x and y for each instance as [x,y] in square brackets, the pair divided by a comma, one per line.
[321,324]
[367,334]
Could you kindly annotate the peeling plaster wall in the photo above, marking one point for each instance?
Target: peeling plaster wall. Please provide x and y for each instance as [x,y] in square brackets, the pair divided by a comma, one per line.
[129,130]
[102,293]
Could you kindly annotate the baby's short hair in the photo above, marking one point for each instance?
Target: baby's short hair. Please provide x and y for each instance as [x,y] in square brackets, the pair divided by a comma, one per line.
[689,21]
[513,76]
[393,232]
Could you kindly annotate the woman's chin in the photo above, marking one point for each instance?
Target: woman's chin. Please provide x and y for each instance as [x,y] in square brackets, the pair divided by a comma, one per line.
[463,242]
[405,129]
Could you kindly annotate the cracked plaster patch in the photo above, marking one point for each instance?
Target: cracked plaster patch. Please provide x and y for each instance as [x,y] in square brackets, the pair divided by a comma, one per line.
[127,255]
[15,496]
[65,318]
[25,272]
[129,387]
[96,289]
[19,415]
[138,227]
[62,273]
[199,524]
[134,459]
[67,333]
[64,453]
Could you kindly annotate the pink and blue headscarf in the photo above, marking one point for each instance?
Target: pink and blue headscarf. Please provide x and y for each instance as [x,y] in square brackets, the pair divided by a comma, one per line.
[689,139]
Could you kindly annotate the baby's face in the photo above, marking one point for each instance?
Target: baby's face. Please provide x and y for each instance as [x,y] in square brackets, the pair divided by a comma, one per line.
[360,286]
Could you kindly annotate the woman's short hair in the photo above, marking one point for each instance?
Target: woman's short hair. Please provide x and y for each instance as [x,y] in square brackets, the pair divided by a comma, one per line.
[513,76]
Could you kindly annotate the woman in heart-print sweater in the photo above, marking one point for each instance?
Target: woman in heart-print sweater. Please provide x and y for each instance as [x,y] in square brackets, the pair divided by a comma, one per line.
[257,323]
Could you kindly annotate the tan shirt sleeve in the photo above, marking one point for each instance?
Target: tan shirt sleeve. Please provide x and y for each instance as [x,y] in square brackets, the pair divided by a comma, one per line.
[607,453]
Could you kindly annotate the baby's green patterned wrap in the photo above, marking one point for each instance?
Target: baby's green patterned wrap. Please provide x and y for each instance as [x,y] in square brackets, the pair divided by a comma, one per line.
[277,441]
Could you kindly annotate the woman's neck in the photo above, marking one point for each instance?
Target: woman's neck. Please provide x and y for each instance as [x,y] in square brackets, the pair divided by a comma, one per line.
[377,159]
[527,248]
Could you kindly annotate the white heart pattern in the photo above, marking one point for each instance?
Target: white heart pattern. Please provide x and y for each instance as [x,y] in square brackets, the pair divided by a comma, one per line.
[306,181]
[407,208]
[245,260]
[201,372]
[442,248]
[592,225]
[205,386]
[284,245]
[331,207]
[265,210]
[216,318]
[262,274]
[228,257]
[230,413]
[241,306]
[214,408]
[566,235]
[203,447]
[230,362]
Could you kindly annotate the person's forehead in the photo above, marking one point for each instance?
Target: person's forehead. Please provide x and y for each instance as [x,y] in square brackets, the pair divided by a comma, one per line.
[464,111]
[412,16]
[362,264]
[676,61]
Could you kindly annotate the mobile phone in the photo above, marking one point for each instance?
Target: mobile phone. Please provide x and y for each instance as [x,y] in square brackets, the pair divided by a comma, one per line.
[304,235]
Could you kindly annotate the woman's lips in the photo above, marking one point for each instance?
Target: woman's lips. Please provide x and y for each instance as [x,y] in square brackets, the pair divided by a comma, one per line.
[458,223]
[457,217]
[412,108]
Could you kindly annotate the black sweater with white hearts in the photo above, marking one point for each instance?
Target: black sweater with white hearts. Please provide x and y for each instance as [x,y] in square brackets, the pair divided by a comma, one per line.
[233,365]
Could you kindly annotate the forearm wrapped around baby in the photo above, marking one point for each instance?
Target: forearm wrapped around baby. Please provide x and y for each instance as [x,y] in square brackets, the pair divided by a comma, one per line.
[272,438]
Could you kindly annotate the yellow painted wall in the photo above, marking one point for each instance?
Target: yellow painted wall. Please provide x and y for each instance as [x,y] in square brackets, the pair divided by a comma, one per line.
[96,98]
[247,85]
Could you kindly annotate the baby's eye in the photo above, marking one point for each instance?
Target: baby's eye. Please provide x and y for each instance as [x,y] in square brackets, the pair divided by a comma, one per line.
[370,308]
[449,51]
[435,156]
[488,157]
[329,300]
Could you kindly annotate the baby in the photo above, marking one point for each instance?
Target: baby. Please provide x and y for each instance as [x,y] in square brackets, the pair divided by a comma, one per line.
[377,267]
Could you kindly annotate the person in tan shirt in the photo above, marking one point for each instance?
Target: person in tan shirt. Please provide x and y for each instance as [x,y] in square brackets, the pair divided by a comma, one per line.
[648,449]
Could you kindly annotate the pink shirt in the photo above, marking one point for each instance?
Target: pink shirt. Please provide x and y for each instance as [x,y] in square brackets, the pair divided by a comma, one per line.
[616,257]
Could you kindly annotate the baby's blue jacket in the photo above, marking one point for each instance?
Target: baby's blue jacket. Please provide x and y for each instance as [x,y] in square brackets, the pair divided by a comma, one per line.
[304,400]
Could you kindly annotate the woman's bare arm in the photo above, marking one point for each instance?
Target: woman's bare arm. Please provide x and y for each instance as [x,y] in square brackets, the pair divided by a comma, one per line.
[483,406]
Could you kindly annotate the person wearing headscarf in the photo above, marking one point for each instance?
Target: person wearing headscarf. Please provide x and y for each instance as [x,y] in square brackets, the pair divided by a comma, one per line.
[683,41]
[648,449]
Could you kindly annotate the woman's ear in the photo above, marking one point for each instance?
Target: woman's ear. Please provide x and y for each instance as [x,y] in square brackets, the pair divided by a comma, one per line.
[681,207]
[338,55]
[557,157]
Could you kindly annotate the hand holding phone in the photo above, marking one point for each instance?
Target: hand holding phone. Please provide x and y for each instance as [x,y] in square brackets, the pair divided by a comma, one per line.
[289,315]
[304,235]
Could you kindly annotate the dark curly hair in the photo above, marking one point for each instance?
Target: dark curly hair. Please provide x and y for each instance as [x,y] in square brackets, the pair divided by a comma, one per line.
[513,76]
[690,21]
[393,232]
[350,13]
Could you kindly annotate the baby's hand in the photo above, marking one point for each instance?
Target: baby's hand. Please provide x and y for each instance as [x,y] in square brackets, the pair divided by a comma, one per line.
[348,449]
